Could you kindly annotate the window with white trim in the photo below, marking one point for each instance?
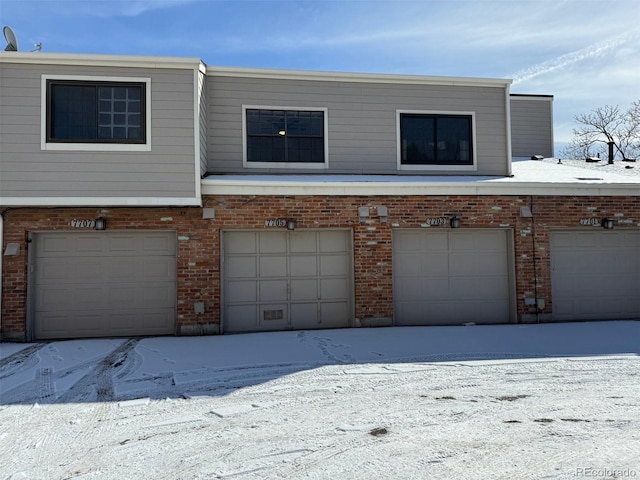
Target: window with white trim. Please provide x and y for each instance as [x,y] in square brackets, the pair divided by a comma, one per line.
[95,113]
[285,137]
[435,139]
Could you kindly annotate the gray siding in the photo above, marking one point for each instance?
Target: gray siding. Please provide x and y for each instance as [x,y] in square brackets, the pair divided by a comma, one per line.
[28,171]
[362,120]
[202,105]
[531,126]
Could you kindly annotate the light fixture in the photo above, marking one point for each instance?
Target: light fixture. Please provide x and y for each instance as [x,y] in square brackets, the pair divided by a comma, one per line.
[454,221]
[607,223]
[282,133]
[291,225]
[101,223]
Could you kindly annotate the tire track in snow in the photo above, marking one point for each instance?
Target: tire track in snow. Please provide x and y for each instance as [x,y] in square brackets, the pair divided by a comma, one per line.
[20,361]
[100,378]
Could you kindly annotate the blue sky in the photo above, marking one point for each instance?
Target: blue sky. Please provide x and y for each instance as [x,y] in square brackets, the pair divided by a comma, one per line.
[584,52]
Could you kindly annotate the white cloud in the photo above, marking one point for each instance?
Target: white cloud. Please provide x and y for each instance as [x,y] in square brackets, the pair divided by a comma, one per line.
[597,49]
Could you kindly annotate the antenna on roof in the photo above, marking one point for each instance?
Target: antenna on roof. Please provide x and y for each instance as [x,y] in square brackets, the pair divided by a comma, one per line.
[12,43]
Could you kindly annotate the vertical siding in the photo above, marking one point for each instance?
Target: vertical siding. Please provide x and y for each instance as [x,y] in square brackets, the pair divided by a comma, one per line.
[361,118]
[165,171]
[532,126]
[202,106]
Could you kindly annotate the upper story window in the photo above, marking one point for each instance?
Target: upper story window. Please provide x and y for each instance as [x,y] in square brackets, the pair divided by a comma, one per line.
[90,113]
[285,137]
[436,141]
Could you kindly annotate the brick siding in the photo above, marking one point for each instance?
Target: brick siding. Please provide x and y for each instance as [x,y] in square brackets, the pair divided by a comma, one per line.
[199,241]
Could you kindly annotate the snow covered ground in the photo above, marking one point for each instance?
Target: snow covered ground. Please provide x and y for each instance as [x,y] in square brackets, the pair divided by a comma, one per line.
[557,401]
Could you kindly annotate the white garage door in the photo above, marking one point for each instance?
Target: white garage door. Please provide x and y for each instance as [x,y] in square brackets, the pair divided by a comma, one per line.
[276,280]
[595,275]
[448,277]
[97,284]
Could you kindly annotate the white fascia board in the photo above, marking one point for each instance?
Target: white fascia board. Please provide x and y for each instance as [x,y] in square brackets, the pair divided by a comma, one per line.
[96,60]
[359,188]
[356,77]
[541,98]
[100,202]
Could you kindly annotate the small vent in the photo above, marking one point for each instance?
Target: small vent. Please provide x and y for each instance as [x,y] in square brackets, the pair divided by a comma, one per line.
[273,315]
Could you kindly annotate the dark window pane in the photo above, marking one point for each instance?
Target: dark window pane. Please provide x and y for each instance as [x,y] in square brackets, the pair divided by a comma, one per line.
[120,93]
[105,132]
[418,141]
[454,140]
[119,132]
[436,139]
[87,111]
[119,106]
[74,112]
[279,136]
[134,119]
[135,93]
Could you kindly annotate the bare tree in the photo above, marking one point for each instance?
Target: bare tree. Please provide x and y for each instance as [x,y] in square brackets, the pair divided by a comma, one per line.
[606,125]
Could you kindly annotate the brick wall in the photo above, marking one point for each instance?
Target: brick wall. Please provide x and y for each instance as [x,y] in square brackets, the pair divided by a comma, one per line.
[199,241]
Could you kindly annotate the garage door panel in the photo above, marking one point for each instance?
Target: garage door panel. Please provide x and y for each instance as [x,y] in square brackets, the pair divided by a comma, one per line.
[434,264]
[273,290]
[273,266]
[334,265]
[240,243]
[304,266]
[464,276]
[158,269]
[595,274]
[77,297]
[408,265]
[410,289]
[333,313]
[303,242]
[333,241]
[272,242]
[481,287]
[483,312]
[333,288]
[52,246]
[245,317]
[241,267]
[89,244]
[242,291]
[303,289]
[305,315]
[435,288]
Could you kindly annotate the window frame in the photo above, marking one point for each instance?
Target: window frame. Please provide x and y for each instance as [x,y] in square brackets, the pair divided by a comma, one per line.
[291,165]
[113,146]
[473,166]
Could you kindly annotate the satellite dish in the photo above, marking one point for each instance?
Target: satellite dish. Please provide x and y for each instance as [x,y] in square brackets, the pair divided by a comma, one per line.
[12,43]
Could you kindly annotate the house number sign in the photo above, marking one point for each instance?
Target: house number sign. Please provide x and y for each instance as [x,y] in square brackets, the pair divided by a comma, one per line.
[75,223]
[436,221]
[590,221]
[275,222]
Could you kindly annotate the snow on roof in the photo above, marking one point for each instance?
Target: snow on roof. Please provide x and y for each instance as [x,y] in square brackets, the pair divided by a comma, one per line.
[529,177]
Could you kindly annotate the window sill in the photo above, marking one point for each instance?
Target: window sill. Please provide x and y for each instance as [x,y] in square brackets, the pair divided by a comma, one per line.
[289,165]
[440,168]
[97,147]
